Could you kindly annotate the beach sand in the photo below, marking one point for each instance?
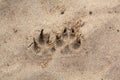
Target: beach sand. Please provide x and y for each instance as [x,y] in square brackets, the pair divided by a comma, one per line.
[84,40]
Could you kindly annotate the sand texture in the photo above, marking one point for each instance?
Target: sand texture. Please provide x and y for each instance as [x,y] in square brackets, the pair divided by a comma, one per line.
[59,39]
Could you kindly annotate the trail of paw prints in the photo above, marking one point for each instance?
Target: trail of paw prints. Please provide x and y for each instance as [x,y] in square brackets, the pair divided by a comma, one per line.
[44,47]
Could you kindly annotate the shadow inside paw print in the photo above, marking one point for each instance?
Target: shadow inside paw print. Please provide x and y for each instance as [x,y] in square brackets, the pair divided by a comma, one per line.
[53,49]
[76,44]
[66,50]
[59,41]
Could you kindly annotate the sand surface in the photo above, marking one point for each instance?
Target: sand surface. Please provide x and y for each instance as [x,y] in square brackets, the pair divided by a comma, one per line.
[96,25]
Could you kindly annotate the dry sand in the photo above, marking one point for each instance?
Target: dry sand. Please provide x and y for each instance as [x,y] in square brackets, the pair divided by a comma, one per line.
[97,58]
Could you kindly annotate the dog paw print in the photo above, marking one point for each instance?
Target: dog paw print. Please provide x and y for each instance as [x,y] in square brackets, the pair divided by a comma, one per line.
[73,41]
[40,51]
[65,42]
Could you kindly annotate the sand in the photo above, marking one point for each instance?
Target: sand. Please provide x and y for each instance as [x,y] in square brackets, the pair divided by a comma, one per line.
[91,52]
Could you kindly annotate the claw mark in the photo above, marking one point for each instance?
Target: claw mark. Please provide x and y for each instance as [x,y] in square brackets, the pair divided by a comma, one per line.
[36,47]
[59,41]
[65,30]
[72,33]
[41,38]
[64,33]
